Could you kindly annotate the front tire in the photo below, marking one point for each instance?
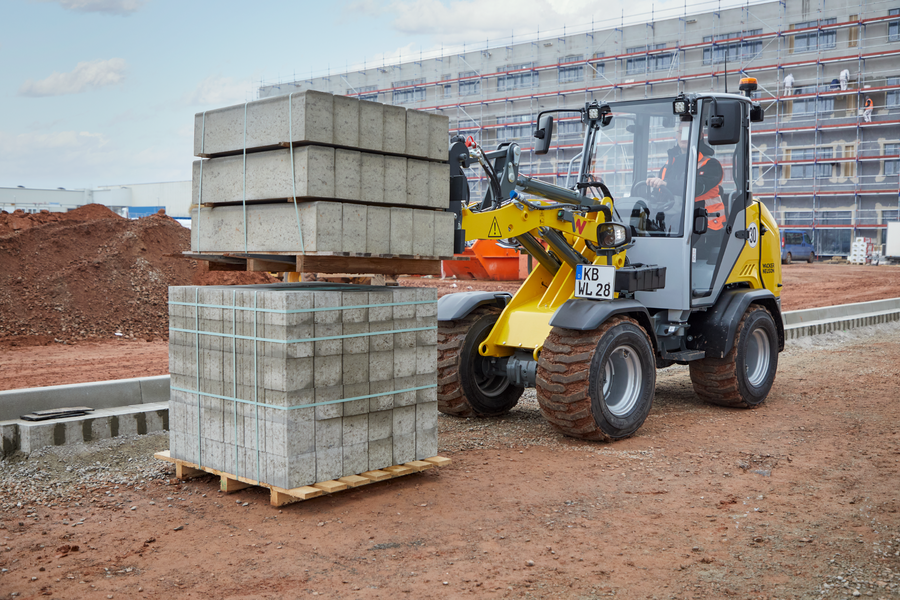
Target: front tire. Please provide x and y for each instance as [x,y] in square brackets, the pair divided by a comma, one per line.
[597,385]
[466,388]
[745,375]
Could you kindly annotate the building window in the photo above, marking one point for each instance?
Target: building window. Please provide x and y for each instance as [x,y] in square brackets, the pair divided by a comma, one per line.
[365,93]
[573,127]
[836,217]
[649,63]
[795,218]
[892,98]
[599,68]
[890,216]
[814,41]
[820,170]
[471,87]
[517,127]
[894,26]
[892,167]
[833,241]
[737,51]
[515,81]
[808,106]
[446,88]
[408,94]
[570,73]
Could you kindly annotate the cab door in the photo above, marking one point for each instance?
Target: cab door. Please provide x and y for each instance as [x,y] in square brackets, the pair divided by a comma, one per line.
[715,251]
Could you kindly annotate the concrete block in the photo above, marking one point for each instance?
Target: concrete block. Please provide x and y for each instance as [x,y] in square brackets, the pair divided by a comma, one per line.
[405,299]
[394,138]
[346,121]
[355,369]
[395,180]
[356,345]
[406,339]
[328,347]
[380,425]
[444,227]
[439,185]
[423,232]
[302,470]
[404,362]
[106,394]
[266,123]
[426,416]
[438,136]
[301,426]
[355,430]
[277,471]
[329,464]
[290,374]
[327,406]
[401,231]
[381,364]
[378,227]
[328,371]
[347,174]
[429,383]
[355,225]
[428,298]
[372,177]
[324,300]
[356,407]
[401,397]
[426,360]
[328,434]
[426,443]
[417,183]
[356,458]
[265,176]
[381,453]
[382,395]
[371,125]
[404,420]
[404,448]
[417,128]
[269,227]
[379,305]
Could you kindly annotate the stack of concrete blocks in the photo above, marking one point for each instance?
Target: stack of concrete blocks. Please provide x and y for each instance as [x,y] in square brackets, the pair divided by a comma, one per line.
[373,178]
[352,400]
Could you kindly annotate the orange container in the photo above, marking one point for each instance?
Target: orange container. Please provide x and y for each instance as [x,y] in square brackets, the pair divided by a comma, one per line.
[486,261]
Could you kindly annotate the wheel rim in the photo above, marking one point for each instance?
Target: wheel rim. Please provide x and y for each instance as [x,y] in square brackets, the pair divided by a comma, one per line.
[489,384]
[757,363]
[622,382]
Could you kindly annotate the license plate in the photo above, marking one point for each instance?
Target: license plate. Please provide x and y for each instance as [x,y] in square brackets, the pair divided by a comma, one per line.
[595,282]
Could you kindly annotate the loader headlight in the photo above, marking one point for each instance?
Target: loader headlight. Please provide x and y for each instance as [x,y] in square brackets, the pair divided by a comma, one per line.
[612,235]
[680,106]
[594,113]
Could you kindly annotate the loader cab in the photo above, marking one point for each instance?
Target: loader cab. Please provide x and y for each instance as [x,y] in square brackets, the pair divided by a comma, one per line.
[679,180]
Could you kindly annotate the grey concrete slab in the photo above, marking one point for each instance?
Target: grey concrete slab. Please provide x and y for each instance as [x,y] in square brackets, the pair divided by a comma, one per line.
[417,129]
[395,168]
[417,183]
[266,123]
[444,226]
[378,227]
[401,230]
[439,185]
[438,136]
[355,226]
[423,233]
[371,178]
[346,121]
[371,125]
[394,137]
[347,174]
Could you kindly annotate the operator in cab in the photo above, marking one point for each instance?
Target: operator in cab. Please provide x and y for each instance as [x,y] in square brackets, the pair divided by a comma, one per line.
[709,175]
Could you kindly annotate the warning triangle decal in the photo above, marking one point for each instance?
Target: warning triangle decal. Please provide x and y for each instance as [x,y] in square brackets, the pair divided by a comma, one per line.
[495,230]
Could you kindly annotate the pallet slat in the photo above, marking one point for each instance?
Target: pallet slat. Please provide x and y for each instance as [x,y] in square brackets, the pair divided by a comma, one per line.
[279,497]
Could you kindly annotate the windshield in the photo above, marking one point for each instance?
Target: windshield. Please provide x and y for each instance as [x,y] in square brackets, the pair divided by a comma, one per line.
[641,156]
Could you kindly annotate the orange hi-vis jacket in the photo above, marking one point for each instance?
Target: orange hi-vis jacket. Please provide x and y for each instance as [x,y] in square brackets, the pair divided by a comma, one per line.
[869,103]
[711,198]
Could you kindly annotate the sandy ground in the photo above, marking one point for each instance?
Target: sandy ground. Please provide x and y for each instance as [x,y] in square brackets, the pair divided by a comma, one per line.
[40,361]
[796,499]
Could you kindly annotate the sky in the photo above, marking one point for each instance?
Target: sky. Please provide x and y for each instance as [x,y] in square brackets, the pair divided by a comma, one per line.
[103,92]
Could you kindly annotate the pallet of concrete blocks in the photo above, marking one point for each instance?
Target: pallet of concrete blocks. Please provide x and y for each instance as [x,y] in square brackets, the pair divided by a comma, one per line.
[366,178]
[293,384]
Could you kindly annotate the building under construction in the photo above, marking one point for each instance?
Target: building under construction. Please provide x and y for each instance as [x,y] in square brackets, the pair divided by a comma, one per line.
[826,159]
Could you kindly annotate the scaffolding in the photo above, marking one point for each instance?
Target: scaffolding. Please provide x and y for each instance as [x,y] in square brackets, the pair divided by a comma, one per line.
[819,161]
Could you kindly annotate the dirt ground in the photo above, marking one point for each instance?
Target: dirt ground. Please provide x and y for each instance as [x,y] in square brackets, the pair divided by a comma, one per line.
[31,361]
[796,499]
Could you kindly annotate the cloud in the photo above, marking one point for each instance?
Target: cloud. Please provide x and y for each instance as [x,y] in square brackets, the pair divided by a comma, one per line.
[110,7]
[220,91]
[86,76]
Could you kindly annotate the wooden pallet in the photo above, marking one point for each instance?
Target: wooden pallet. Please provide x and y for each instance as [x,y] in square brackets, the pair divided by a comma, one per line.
[324,262]
[279,496]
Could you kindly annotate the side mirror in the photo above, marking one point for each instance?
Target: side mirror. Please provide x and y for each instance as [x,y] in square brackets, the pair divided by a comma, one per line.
[725,121]
[700,221]
[544,135]
[757,114]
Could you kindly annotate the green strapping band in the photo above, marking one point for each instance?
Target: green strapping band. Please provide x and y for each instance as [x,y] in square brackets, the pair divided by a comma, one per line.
[301,340]
[299,406]
[293,177]
[301,310]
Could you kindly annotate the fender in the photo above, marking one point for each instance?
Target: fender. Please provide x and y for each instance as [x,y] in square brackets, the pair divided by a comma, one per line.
[457,306]
[587,315]
[714,330]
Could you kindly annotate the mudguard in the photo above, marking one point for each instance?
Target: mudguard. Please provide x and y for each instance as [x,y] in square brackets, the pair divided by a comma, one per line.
[713,330]
[457,306]
[587,315]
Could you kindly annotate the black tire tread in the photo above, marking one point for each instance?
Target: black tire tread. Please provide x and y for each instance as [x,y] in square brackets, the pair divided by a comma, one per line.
[715,380]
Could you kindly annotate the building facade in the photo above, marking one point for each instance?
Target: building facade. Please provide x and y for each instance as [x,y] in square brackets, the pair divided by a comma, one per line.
[822,161]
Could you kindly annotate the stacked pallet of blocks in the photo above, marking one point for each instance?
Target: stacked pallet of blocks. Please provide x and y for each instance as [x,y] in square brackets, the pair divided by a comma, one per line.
[368,178]
[293,384]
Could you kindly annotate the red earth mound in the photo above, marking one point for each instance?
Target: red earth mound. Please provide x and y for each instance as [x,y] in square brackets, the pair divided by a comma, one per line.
[91,273]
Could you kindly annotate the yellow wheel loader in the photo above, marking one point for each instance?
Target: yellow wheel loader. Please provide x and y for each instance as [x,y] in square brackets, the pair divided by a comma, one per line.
[654,254]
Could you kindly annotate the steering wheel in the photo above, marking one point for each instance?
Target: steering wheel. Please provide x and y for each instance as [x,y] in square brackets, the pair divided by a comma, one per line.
[663,200]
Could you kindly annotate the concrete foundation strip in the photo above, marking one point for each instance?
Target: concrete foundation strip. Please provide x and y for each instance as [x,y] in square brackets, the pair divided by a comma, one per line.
[120,402]
[280,496]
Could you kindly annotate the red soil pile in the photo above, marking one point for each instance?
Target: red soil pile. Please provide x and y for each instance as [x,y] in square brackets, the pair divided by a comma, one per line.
[91,273]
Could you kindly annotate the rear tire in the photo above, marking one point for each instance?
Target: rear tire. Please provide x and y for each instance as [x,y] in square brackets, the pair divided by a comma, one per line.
[744,377]
[787,259]
[812,257]
[464,388]
[597,385]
